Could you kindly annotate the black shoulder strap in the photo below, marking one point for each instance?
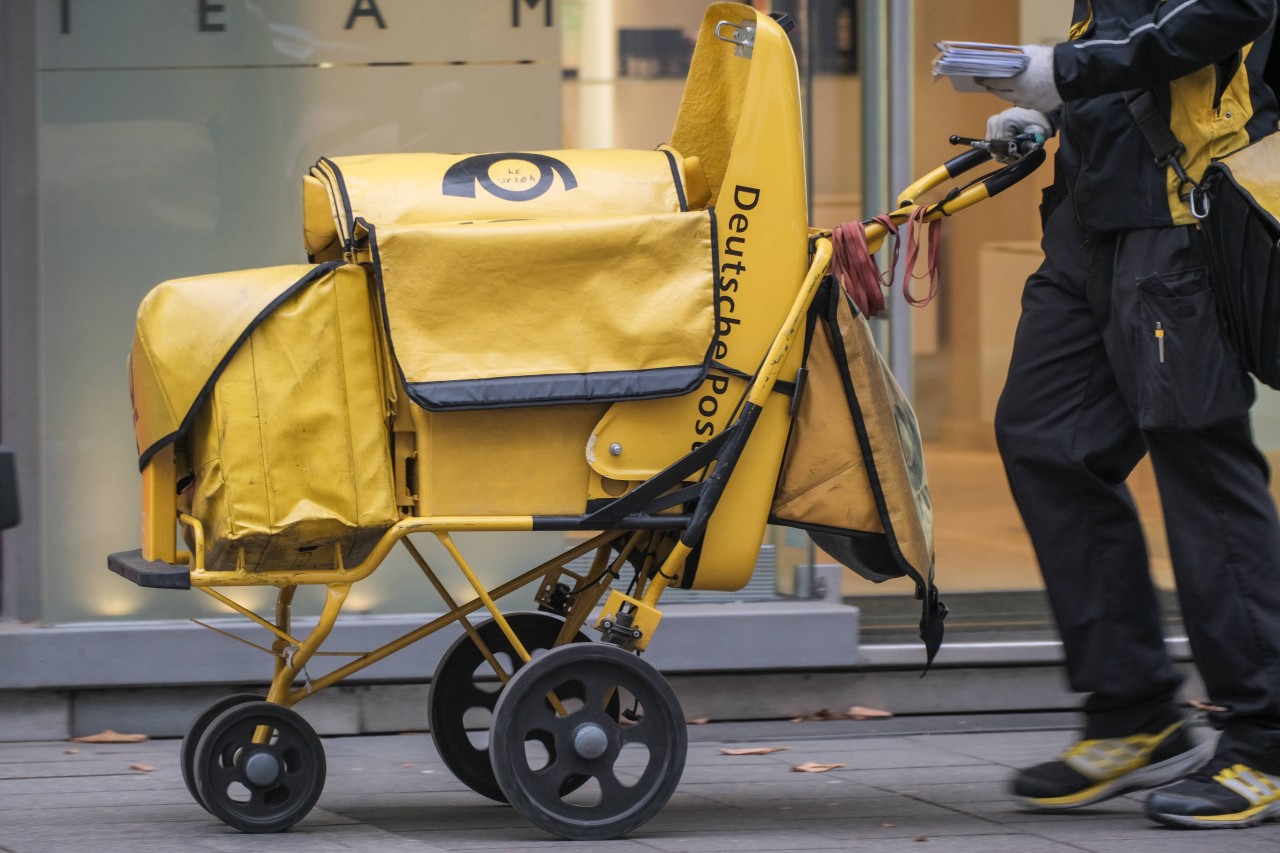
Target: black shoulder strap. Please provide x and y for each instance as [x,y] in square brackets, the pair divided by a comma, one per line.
[1153,121]
[1154,124]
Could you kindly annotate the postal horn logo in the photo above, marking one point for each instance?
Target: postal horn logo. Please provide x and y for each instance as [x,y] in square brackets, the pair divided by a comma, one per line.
[519,183]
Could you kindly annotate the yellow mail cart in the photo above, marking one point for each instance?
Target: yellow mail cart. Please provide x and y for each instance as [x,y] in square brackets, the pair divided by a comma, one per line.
[614,343]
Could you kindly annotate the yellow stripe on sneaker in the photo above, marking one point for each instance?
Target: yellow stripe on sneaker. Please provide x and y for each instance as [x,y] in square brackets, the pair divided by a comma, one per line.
[1260,789]
[1105,759]
[1071,799]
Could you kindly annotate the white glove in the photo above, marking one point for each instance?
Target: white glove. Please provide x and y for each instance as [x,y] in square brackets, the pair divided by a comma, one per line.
[1035,87]
[1011,123]
[1017,120]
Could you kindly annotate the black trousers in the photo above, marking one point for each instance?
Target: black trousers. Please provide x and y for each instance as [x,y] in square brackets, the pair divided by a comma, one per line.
[1092,388]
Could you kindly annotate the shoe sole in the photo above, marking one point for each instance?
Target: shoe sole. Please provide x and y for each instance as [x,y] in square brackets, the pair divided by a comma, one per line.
[1232,821]
[1151,776]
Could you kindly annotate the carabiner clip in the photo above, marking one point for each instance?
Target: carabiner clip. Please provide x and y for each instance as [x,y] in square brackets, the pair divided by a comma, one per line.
[1199,202]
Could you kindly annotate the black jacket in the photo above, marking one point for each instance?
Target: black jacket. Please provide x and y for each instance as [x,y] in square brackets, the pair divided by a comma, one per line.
[1204,61]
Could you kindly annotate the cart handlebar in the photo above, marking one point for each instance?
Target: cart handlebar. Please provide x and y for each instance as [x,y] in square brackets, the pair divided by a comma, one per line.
[1028,149]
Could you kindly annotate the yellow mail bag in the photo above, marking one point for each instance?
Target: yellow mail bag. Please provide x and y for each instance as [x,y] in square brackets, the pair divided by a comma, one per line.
[272,384]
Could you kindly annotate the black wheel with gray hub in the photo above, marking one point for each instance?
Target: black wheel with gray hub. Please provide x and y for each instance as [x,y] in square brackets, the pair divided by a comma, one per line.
[465,690]
[259,767]
[628,764]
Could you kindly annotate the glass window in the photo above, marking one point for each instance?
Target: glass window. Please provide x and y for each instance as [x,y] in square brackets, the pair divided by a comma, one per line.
[173,138]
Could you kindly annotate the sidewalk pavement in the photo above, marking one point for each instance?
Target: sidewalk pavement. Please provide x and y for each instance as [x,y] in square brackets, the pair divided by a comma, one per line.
[907,784]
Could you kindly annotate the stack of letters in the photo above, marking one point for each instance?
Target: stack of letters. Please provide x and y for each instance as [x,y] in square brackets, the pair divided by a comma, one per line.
[964,61]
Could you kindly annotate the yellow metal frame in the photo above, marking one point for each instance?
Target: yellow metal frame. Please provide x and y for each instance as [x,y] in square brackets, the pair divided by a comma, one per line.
[292,653]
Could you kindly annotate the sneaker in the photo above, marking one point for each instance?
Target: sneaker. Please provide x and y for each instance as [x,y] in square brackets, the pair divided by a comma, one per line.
[1090,771]
[1222,795]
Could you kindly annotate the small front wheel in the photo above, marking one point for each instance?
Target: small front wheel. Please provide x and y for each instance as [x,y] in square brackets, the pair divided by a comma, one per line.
[259,767]
[187,758]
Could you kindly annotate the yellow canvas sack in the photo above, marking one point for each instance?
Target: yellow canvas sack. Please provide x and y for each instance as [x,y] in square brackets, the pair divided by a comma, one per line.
[418,189]
[280,412]
[853,475]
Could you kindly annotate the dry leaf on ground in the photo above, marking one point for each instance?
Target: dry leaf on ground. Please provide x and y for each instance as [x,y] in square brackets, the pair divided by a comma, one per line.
[71,751]
[110,736]
[143,768]
[698,721]
[751,750]
[857,712]
[815,767]
[817,716]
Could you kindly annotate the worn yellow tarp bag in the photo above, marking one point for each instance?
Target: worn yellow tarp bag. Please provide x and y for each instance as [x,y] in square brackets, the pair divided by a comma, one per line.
[272,382]
[853,475]
[542,311]
[416,189]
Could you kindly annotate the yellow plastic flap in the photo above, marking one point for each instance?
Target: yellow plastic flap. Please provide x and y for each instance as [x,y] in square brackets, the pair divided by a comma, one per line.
[186,330]
[761,215]
[714,94]
[740,116]
[549,310]
[416,189]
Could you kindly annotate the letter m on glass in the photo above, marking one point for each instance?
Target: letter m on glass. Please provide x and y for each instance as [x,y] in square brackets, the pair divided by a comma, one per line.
[518,5]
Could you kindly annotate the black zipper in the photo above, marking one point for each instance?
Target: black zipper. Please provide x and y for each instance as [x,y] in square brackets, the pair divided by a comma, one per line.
[1223,73]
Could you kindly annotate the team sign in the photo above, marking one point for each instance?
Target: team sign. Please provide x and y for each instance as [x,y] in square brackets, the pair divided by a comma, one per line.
[80,34]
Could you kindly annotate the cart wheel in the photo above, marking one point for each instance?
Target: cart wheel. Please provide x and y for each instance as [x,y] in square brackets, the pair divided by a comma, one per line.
[629,766]
[464,691]
[259,787]
[187,758]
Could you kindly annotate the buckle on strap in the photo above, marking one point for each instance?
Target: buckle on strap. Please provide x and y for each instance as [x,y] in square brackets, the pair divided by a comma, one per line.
[1171,157]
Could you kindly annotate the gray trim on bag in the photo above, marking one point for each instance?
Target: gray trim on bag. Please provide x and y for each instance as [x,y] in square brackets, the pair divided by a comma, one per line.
[511,391]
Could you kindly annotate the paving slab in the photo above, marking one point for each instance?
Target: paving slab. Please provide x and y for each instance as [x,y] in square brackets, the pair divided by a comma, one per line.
[906,785]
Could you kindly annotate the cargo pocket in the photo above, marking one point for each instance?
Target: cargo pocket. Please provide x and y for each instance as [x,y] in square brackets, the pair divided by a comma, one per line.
[1190,377]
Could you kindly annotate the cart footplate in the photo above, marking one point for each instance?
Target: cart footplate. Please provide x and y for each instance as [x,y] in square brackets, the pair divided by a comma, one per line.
[156,574]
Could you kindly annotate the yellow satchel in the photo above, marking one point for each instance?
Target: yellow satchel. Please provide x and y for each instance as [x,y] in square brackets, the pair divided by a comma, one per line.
[280,409]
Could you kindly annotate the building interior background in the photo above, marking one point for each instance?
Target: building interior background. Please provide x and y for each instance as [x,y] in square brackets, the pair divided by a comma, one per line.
[132,194]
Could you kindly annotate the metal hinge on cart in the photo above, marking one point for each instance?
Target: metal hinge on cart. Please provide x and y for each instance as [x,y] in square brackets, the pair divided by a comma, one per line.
[743,35]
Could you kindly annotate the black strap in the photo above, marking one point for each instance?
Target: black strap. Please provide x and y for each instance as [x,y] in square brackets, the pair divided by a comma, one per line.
[787,389]
[1153,122]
